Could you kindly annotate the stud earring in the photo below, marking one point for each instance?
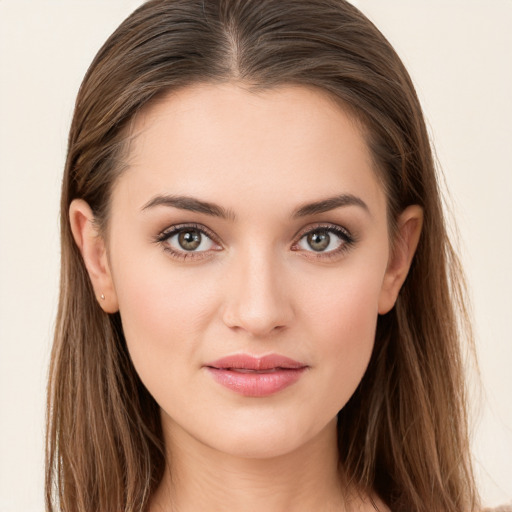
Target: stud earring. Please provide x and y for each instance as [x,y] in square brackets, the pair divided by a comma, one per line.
[102,296]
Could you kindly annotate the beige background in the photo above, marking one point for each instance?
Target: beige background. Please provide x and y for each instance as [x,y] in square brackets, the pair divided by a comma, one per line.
[459,53]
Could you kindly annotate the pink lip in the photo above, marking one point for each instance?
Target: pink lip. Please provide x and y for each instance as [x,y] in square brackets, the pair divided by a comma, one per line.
[256,376]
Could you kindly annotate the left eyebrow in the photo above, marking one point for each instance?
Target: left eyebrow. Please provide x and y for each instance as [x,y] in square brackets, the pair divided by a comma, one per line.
[329,204]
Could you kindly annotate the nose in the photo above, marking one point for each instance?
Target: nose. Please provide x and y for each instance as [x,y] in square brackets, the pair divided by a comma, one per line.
[257,300]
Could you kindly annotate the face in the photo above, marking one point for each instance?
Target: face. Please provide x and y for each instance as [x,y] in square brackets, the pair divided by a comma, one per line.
[249,254]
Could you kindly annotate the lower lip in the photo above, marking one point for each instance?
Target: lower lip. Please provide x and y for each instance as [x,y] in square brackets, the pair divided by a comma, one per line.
[257,384]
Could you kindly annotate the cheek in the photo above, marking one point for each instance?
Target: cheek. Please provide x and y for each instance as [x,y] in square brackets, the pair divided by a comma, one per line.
[343,324]
[163,312]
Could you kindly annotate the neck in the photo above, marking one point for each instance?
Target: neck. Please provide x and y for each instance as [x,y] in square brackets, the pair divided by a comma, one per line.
[202,478]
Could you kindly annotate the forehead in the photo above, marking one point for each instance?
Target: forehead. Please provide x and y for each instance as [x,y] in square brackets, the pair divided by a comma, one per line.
[285,143]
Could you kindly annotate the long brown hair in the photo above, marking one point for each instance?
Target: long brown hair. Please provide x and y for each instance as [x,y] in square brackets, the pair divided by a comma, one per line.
[403,434]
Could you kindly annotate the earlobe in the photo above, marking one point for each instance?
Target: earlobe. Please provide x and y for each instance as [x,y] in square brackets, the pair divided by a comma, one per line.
[94,253]
[409,223]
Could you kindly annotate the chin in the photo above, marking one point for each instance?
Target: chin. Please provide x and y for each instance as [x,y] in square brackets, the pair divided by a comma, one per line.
[259,446]
[268,439]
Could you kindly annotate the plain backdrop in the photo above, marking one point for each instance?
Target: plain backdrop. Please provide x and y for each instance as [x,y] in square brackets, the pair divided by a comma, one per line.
[459,53]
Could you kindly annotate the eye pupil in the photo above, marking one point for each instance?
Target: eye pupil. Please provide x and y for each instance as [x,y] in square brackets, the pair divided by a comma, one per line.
[189,240]
[319,240]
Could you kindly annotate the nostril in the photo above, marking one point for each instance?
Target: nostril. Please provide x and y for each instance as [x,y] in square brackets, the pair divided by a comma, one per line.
[257,299]
[256,325]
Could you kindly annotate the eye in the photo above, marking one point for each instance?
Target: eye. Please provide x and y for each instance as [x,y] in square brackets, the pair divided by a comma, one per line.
[325,239]
[186,241]
[190,240]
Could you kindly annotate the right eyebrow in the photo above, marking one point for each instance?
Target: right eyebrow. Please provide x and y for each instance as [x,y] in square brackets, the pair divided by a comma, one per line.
[191,204]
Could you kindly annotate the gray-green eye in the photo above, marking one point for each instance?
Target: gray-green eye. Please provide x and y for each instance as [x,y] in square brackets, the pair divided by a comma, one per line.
[319,240]
[190,240]
[322,240]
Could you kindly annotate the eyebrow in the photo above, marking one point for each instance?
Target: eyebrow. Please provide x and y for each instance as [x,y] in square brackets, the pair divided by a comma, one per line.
[329,204]
[191,204]
[195,205]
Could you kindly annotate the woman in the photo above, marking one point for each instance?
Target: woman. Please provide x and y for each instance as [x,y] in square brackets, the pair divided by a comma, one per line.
[259,301]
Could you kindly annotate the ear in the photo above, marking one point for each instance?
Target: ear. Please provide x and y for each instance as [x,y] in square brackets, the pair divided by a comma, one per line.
[409,226]
[94,252]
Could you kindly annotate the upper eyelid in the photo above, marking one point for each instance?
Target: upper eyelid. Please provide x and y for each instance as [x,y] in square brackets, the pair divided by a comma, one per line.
[176,228]
[323,225]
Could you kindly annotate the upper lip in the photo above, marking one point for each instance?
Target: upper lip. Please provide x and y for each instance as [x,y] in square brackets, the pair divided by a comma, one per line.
[248,362]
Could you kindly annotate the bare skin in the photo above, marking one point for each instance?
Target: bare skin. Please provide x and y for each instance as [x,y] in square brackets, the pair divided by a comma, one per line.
[290,256]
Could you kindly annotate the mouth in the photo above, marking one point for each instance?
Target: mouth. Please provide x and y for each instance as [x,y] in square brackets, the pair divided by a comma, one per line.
[256,376]
[245,370]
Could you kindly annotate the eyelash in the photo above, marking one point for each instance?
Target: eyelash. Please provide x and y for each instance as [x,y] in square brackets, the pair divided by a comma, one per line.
[347,241]
[168,233]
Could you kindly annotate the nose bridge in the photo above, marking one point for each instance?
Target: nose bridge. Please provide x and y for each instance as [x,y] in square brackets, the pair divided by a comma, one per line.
[257,299]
